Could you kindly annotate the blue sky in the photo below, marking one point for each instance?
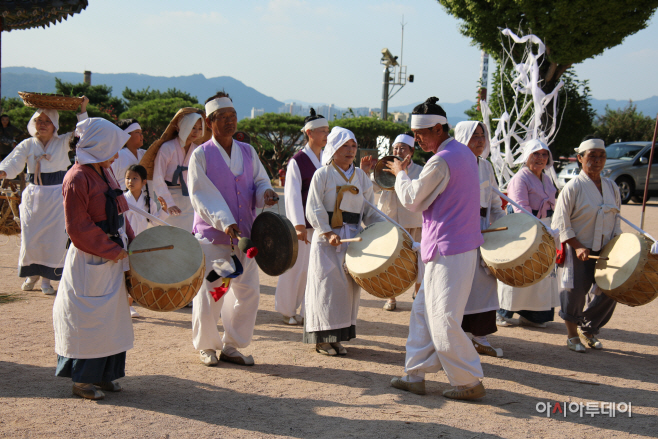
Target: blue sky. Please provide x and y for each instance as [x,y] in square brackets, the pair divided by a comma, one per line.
[293,49]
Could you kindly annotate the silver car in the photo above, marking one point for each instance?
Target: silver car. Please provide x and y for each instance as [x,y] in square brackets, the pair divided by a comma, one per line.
[627,165]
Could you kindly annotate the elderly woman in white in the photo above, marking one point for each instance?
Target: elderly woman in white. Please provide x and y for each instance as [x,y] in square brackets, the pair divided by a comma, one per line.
[43,235]
[480,312]
[335,209]
[586,216]
[389,203]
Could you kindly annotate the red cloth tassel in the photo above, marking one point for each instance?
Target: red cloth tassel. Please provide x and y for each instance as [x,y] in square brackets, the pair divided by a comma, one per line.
[252,252]
[218,293]
[561,254]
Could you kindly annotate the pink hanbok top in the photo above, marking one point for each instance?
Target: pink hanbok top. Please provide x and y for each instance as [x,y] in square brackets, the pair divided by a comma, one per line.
[533,194]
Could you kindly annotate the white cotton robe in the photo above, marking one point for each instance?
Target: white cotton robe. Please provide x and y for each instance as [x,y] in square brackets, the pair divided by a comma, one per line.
[43,230]
[239,306]
[484,290]
[290,287]
[332,296]
[170,156]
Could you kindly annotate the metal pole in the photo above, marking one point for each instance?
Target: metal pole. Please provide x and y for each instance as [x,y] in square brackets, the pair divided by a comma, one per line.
[385,93]
[646,183]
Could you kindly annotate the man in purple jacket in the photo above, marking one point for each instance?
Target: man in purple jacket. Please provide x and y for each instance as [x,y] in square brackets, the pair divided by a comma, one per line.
[448,194]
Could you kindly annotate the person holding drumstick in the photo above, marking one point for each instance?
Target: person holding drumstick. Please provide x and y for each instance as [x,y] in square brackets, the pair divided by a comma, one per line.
[291,285]
[586,216]
[389,203]
[533,189]
[227,183]
[448,194]
[480,313]
[335,209]
[92,323]
[43,235]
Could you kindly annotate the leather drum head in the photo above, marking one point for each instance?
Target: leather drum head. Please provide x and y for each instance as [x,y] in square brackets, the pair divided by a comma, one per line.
[276,240]
[625,253]
[384,179]
[514,246]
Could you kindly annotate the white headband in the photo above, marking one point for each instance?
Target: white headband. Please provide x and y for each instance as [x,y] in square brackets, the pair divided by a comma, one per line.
[317,123]
[590,144]
[218,104]
[406,139]
[133,127]
[420,121]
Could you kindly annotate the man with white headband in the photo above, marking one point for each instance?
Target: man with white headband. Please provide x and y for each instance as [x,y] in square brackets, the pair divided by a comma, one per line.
[291,285]
[390,204]
[132,153]
[227,182]
[448,194]
[335,209]
[586,216]
[43,237]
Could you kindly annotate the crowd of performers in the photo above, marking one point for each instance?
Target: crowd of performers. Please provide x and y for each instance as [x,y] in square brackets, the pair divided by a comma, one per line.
[206,182]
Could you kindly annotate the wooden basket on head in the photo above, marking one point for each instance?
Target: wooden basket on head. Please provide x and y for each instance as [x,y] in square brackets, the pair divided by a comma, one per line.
[10,198]
[148,161]
[50,101]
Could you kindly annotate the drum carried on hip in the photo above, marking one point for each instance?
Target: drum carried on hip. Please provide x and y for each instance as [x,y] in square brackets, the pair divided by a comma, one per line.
[165,280]
[383,262]
[630,275]
[522,255]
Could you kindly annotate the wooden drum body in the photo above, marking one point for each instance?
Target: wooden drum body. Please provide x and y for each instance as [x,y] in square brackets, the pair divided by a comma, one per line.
[630,275]
[522,255]
[383,263]
[165,280]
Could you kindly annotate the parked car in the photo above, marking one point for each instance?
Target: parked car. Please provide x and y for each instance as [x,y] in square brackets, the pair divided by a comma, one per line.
[626,165]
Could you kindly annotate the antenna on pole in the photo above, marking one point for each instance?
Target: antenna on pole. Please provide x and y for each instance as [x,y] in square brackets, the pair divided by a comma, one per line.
[402,23]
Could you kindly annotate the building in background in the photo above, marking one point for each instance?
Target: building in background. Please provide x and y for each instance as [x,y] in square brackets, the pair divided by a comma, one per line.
[255,112]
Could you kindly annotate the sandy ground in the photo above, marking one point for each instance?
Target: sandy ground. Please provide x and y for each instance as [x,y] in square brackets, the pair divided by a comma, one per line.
[294,392]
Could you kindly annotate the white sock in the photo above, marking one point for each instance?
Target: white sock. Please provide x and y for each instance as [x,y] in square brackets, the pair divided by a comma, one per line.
[33,279]
[414,377]
[482,340]
[45,283]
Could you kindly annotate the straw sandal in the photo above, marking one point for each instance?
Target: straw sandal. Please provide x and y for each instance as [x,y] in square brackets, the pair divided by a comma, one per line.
[87,391]
[592,341]
[577,346]
[339,348]
[487,350]
[465,393]
[109,386]
[27,285]
[388,306]
[325,349]
[418,387]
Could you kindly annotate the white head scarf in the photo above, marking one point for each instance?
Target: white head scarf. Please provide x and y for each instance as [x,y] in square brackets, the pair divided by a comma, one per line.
[99,140]
[185,126]
[406,139]
[590,144]
[317,123]
[52,114]
[133,127]
[337,138]
[465,130]
[531,147]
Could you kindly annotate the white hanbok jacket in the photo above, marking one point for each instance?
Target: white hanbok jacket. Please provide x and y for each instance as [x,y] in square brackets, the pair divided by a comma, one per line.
[332,296]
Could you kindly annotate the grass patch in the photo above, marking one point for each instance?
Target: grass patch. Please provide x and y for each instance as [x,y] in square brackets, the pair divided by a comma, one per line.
[8,298]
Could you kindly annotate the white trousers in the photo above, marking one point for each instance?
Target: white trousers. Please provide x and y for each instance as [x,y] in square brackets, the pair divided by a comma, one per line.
[237,308]
[435,335]
[185,220]
[291,285]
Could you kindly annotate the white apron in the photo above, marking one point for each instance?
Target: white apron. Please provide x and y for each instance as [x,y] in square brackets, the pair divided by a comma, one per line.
[43,228]
[90,314]
[541,296]
[185,220]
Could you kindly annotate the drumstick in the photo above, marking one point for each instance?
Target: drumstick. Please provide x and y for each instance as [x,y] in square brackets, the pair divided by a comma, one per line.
[601,258]
[146,250]
[352,240]
[497,229]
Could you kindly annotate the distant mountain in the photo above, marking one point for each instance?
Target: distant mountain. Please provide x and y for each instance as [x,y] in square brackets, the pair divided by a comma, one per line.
[16,79]
[649,106]
[455,112]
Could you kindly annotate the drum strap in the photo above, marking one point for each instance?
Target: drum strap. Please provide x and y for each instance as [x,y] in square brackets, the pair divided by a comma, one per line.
[337,217]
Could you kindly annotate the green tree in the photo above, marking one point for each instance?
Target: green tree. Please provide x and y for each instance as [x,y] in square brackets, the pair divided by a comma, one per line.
[573,30]
[99,95]
[133,98]
[154,115]
[367,129]
[275,137]
[623,125]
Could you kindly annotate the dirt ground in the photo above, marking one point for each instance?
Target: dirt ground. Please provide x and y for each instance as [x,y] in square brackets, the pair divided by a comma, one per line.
[294,392]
